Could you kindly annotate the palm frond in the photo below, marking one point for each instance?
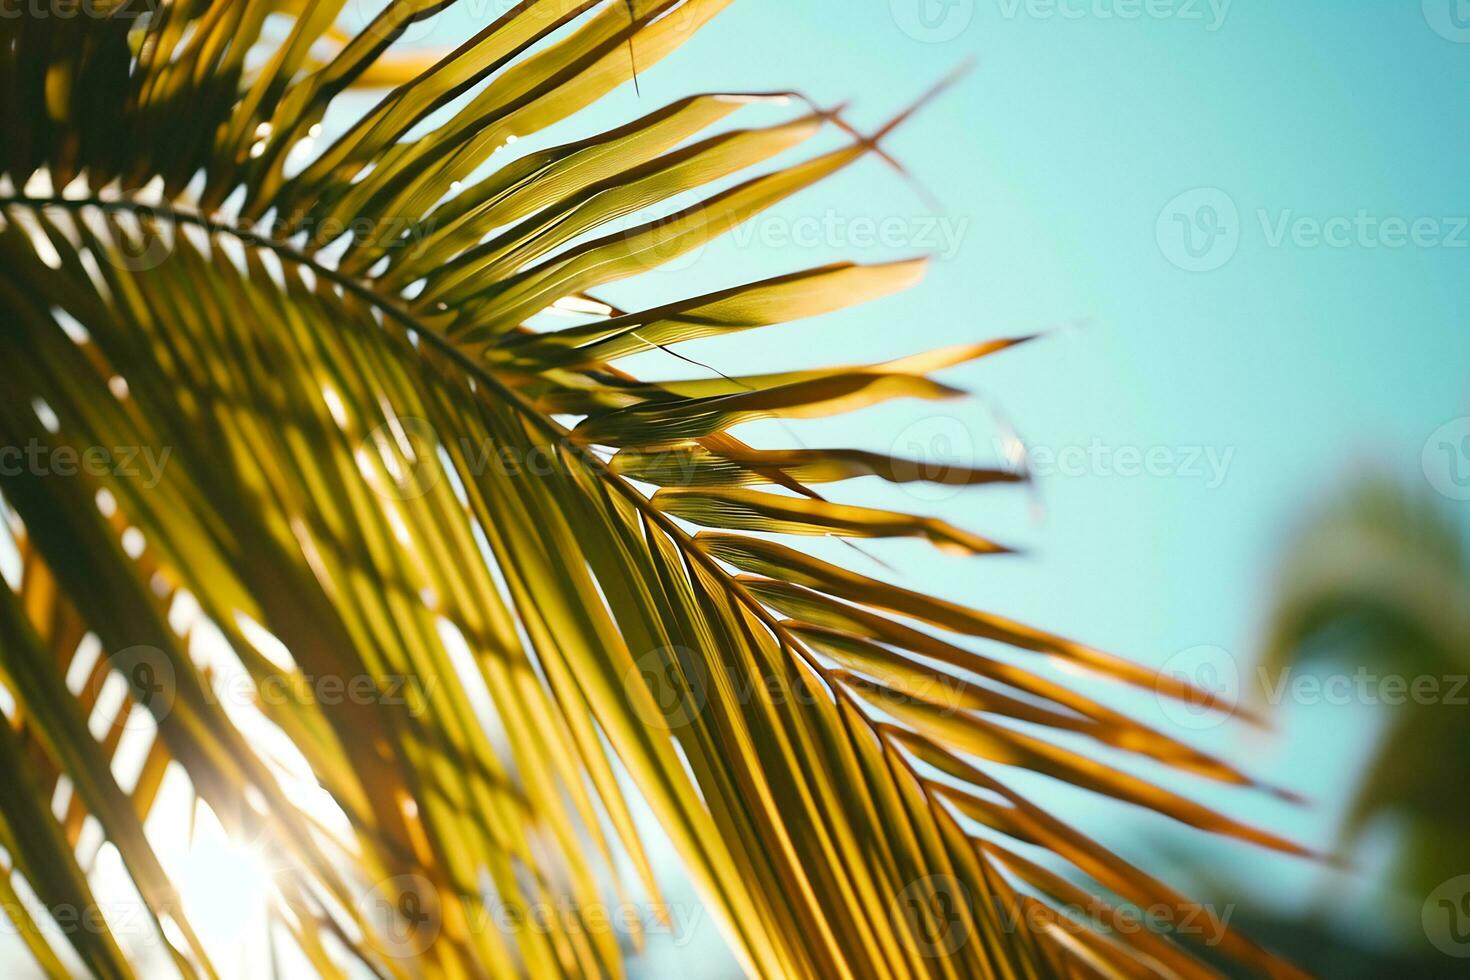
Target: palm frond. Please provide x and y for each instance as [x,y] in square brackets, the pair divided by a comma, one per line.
[360,470]
[1377,580]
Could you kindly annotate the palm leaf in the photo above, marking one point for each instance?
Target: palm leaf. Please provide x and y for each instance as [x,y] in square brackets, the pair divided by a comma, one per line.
[359,470]
[1377,578]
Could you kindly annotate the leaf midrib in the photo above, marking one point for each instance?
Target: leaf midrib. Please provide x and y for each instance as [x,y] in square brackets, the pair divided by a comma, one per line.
[549,426]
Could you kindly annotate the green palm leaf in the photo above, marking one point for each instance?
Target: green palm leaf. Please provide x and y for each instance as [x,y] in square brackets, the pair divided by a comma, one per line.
[352,467]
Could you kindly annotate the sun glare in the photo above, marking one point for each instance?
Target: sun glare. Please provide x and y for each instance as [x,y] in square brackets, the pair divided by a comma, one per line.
[226,888]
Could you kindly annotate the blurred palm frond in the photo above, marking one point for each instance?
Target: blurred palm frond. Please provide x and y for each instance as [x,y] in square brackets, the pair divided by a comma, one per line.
[300,413]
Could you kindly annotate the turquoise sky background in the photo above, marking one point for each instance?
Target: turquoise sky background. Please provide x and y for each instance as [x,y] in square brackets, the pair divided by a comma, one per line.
[1301,364]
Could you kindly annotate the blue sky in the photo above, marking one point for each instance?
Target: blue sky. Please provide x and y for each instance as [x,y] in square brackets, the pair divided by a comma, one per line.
[1321,339]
